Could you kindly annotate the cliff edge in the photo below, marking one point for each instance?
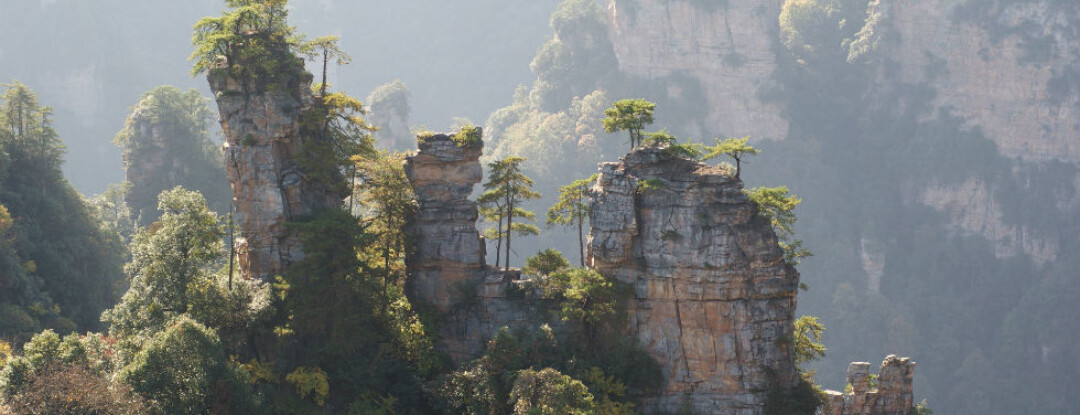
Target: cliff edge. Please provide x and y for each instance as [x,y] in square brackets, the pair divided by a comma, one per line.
[714,301]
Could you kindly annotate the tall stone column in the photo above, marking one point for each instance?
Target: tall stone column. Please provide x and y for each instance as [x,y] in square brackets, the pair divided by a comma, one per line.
[449,258]
[262,143]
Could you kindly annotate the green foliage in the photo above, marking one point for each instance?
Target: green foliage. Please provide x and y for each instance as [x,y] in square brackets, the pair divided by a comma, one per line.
[572,208]
[545,263]
[804,399]
[59,265]
[506,189]
[604,388]
[736,148]
[166,143]
[585,297]
[807,345]
[251,42]
[183,370]
[338,311]
[74,390]
[389,202]
[337,136]
[866,40]
[670,144]
[631,115]
[170,261]
[577,60]
[467,137]
[777,205]
[327,46]
[67,374]
[921,408]
[310,381]
[549,392]
[651,185]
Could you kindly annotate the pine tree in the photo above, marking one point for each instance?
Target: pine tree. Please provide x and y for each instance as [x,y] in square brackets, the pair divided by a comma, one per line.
[507,187]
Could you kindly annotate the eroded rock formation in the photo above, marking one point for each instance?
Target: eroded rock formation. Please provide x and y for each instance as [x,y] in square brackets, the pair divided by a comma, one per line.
[262,144]
[892,396]
[714,299]
[447,269]
[449,254]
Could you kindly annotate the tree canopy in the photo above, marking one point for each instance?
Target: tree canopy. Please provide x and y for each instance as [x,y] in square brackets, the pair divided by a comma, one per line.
[736,148]
[506,188]
[631,115]
[572,209]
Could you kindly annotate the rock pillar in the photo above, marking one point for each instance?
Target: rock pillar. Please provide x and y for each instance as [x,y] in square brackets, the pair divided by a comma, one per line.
[448,260]
[892,396]
[714,300]
[262,143]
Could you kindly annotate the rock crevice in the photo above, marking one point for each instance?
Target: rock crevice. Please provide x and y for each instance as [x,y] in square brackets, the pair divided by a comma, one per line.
[713,296]
[263,141]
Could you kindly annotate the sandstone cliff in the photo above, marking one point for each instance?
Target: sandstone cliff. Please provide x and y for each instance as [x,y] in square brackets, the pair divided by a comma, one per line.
[262,143]
[449,253]
[892,396]
[727,48]
[447,268]
[713,297]
[996,67]
[1008,69]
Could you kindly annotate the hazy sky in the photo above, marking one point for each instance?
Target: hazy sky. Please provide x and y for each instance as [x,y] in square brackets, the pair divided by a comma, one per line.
[91,60]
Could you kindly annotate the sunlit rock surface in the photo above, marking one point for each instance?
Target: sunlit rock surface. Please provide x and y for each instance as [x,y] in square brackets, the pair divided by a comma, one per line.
[891,396]
[714,301]
[262,143]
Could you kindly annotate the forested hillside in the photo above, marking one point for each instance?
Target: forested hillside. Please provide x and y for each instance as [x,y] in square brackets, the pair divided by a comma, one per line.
[278,229]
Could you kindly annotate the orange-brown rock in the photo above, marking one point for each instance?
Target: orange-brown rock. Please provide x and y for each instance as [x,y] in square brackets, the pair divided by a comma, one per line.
[714,299]
[262,143]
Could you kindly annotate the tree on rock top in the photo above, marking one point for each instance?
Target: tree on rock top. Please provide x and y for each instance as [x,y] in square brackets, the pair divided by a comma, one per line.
[630,115]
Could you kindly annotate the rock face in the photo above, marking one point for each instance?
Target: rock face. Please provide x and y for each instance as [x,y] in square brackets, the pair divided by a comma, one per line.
[165,146]
[893,395]
[727,48]
[1013,72]
[449,252]
[713,297]
[262,142]
[1010,69]
[447,267]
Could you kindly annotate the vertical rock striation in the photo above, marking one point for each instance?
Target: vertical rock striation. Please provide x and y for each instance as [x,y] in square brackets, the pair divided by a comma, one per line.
[447,268]
[714,300]
[263,141]
[449,253]
[726,46]
[892,396]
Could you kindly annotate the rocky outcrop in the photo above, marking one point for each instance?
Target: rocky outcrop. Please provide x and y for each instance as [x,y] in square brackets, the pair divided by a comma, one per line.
[449,254]
[166,145]
[892,396]
[263,141]
[447,268]
[388,110]
[724,45]
[714,299]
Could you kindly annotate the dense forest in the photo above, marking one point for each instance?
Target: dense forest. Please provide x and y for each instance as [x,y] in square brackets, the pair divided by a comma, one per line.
[920,232]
